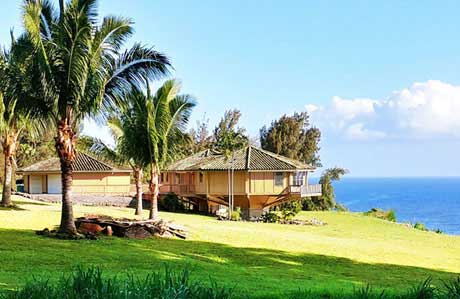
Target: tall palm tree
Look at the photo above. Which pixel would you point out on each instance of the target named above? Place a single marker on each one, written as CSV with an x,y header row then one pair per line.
x,y
82,72
121,154
153,127
15,114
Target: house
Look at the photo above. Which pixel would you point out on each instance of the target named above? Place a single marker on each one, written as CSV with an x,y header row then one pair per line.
x,y
90,177
261,179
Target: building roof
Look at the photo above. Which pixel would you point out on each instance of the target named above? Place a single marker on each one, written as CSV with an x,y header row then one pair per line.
x,y
82,163
250,158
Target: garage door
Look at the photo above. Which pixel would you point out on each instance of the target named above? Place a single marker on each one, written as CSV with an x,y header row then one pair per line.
x,y
54,184
36,184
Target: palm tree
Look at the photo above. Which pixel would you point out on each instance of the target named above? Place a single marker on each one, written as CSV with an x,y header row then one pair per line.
x,y
82,72
14,96
121,154
153,127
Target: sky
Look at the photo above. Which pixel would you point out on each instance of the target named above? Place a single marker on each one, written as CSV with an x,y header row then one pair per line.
x,y
380,79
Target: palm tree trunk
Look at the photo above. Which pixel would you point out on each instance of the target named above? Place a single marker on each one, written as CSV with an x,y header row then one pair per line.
x,y
9,150
6,195
154,191
65,147
138,179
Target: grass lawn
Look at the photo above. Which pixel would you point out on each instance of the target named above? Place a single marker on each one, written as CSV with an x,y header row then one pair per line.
x,y
257,258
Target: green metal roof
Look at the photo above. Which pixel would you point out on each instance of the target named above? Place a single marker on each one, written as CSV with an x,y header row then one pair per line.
x,y
82,163
250,158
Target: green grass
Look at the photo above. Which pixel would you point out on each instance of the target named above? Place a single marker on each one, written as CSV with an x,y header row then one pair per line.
x,y
257,258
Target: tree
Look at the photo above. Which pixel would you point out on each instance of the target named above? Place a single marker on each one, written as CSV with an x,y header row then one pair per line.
x,y
34,147
292,136
14,114
121,154
201,138
327,199
154,128
228,136
81,71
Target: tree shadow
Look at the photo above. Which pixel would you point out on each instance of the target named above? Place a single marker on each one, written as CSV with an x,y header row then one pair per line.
x,y
13,207
256,271
32,203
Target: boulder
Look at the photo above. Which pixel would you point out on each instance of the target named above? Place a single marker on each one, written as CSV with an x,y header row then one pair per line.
x,y
90,228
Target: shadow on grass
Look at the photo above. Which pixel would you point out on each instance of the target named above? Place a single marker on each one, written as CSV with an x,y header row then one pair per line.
x,y
260,272
32,203
13,207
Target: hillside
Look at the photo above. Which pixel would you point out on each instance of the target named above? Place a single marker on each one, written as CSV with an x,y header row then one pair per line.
x,y
351,250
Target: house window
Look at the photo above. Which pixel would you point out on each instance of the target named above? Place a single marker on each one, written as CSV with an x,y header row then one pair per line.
x,y
279,177
299,178
178,178
201,177
167,177
162,178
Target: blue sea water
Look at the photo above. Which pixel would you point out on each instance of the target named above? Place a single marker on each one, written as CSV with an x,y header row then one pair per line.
x,y
432,201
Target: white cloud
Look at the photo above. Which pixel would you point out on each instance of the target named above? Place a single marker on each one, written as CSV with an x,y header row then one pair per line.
x,y
93,129
357,131
428,109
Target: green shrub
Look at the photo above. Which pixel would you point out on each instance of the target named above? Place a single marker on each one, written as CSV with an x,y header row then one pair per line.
x,y
389,215
368,293
171,203
420,226
271,217
236,214
452,289
167,284
425,290
341,208
313,204
289,209
91,284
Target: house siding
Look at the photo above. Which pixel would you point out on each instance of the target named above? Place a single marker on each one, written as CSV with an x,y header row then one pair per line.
x,y
91,183
218,183
263,183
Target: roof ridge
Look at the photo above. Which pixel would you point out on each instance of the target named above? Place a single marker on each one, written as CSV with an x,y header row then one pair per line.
x,y
248,157
39,162
290,161
96,160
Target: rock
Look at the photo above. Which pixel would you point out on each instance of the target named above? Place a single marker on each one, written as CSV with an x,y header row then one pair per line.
x,y
109,231
92,228
137,232
129,228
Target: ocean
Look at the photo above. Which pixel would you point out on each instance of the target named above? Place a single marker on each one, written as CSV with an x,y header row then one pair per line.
x,y
432,201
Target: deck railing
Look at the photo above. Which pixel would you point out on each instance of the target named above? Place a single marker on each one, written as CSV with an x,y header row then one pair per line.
x,y
178,189
306,190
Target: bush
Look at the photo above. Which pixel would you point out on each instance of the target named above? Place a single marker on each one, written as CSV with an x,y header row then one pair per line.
x,y
236,214
290,209
389,215
271,217
341,208
452,288
168,284
91,284
420,226
425,290
171,203
317,203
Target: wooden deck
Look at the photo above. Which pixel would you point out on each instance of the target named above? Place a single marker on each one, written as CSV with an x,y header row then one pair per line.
x,y
182,189
187,189
306,190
